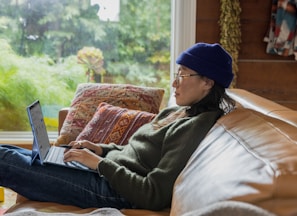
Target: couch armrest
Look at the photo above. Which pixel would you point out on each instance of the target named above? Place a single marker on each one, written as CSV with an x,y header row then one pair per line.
x,y
62,115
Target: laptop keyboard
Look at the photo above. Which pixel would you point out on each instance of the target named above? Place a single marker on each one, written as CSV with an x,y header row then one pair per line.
x,y
56,155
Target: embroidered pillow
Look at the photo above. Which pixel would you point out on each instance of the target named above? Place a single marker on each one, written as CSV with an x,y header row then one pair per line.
x,y
112,124
89,95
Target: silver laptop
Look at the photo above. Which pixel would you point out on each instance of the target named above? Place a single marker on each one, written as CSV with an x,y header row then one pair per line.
x,y
42,148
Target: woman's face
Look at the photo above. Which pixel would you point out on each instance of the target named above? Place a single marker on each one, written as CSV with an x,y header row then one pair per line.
x,y
190,87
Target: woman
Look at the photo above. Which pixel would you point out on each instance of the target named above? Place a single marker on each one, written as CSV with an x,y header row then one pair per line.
x,y
142,173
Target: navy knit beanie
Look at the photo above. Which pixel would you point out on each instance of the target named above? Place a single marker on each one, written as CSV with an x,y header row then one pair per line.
x,y
209,60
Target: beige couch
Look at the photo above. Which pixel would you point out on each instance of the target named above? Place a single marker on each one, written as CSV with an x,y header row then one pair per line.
x,y
249,156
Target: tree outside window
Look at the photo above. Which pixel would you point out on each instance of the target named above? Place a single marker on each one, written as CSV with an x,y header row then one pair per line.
x,y
40,40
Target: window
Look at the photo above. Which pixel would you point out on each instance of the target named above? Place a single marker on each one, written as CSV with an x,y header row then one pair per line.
x,y
40,41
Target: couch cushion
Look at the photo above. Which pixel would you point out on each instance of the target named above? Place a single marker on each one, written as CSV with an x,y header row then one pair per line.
x,y
32,208
246,156
113,124
89,95
230,208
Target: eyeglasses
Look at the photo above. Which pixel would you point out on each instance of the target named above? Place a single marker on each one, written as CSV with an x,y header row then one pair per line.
x,y
178,77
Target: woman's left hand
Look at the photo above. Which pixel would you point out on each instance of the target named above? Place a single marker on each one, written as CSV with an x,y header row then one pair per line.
x,y
83,156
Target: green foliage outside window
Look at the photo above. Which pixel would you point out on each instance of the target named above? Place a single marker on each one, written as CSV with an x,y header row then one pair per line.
x,y
24,80
39,41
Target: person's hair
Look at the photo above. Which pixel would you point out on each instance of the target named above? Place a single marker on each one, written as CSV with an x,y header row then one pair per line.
x,y
217,99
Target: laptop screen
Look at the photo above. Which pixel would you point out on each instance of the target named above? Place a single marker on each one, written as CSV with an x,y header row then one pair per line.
x,y
41,143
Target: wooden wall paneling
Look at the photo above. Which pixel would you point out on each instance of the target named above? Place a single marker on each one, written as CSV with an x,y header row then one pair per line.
x,y
254,24
209,9
271,79
270,76
207,29
211,36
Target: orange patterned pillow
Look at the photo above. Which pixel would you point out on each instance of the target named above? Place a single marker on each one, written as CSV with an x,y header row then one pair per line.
x,y
112,124
89,95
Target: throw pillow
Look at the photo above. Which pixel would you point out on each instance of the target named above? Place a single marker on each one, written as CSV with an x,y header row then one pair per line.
x,y
89,95
113,124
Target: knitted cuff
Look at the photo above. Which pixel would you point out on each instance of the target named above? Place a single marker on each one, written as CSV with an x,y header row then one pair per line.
x,y
98,169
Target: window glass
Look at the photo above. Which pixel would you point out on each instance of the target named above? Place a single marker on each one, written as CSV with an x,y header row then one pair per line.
x,y
48,47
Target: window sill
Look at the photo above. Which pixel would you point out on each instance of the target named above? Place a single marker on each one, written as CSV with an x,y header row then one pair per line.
x,y
22,137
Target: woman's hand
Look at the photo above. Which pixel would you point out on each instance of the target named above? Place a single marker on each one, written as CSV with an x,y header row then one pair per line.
x,y
84,152
87,144
83,156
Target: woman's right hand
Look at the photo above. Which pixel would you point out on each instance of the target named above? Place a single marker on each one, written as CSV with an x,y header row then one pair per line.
x,y
88,145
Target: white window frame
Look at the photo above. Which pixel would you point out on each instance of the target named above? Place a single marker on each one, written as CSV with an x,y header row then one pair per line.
x,y
183,35
183,28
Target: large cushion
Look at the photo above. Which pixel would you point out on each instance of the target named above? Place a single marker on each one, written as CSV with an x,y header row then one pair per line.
x,y
247,156
27,207
89,95
113,124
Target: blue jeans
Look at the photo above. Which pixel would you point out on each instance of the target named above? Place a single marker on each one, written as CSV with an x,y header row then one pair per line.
x,y
53,183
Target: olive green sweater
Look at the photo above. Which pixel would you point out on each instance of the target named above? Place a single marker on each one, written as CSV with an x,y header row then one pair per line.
x,y
144,171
